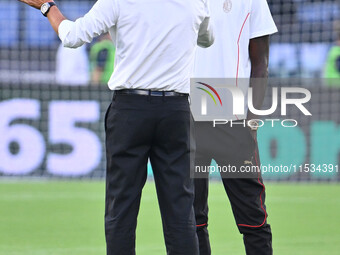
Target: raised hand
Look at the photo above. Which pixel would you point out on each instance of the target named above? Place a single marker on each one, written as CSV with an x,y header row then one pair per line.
x,y
35,3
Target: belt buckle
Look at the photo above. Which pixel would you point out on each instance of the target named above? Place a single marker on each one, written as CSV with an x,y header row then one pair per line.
x,y
156,93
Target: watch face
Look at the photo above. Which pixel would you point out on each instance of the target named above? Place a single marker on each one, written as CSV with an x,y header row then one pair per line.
x,y
45,7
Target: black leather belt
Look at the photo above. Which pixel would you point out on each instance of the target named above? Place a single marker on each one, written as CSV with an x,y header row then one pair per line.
x,y
144,92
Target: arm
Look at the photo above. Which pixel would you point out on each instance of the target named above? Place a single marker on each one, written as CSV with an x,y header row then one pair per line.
x,y
205,34
96,75
55,17
98,20
259,54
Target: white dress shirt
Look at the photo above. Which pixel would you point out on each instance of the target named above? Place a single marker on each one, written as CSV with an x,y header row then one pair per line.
x,y
155,40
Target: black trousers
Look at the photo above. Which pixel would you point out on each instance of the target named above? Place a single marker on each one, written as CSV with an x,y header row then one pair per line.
x,y
235,146
139,128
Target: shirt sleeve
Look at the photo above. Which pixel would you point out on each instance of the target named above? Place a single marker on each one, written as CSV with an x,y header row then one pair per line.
x,y
205,33
261,20
98,20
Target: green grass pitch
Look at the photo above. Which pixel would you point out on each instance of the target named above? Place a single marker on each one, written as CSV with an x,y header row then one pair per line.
x,y
67,218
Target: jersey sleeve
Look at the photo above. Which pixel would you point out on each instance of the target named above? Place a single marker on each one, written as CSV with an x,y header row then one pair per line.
x,y
102,58
261,20
98,20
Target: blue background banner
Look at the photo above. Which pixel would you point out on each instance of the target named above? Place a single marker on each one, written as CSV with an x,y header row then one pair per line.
x,y
58,131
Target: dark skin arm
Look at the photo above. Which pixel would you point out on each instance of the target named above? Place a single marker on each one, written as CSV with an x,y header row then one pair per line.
x,y
259,55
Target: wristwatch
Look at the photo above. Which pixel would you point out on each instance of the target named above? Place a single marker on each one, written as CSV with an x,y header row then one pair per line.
x,y
45,8
253,124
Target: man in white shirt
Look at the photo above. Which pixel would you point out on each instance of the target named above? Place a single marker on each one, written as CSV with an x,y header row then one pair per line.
x,y
240,52
149,116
